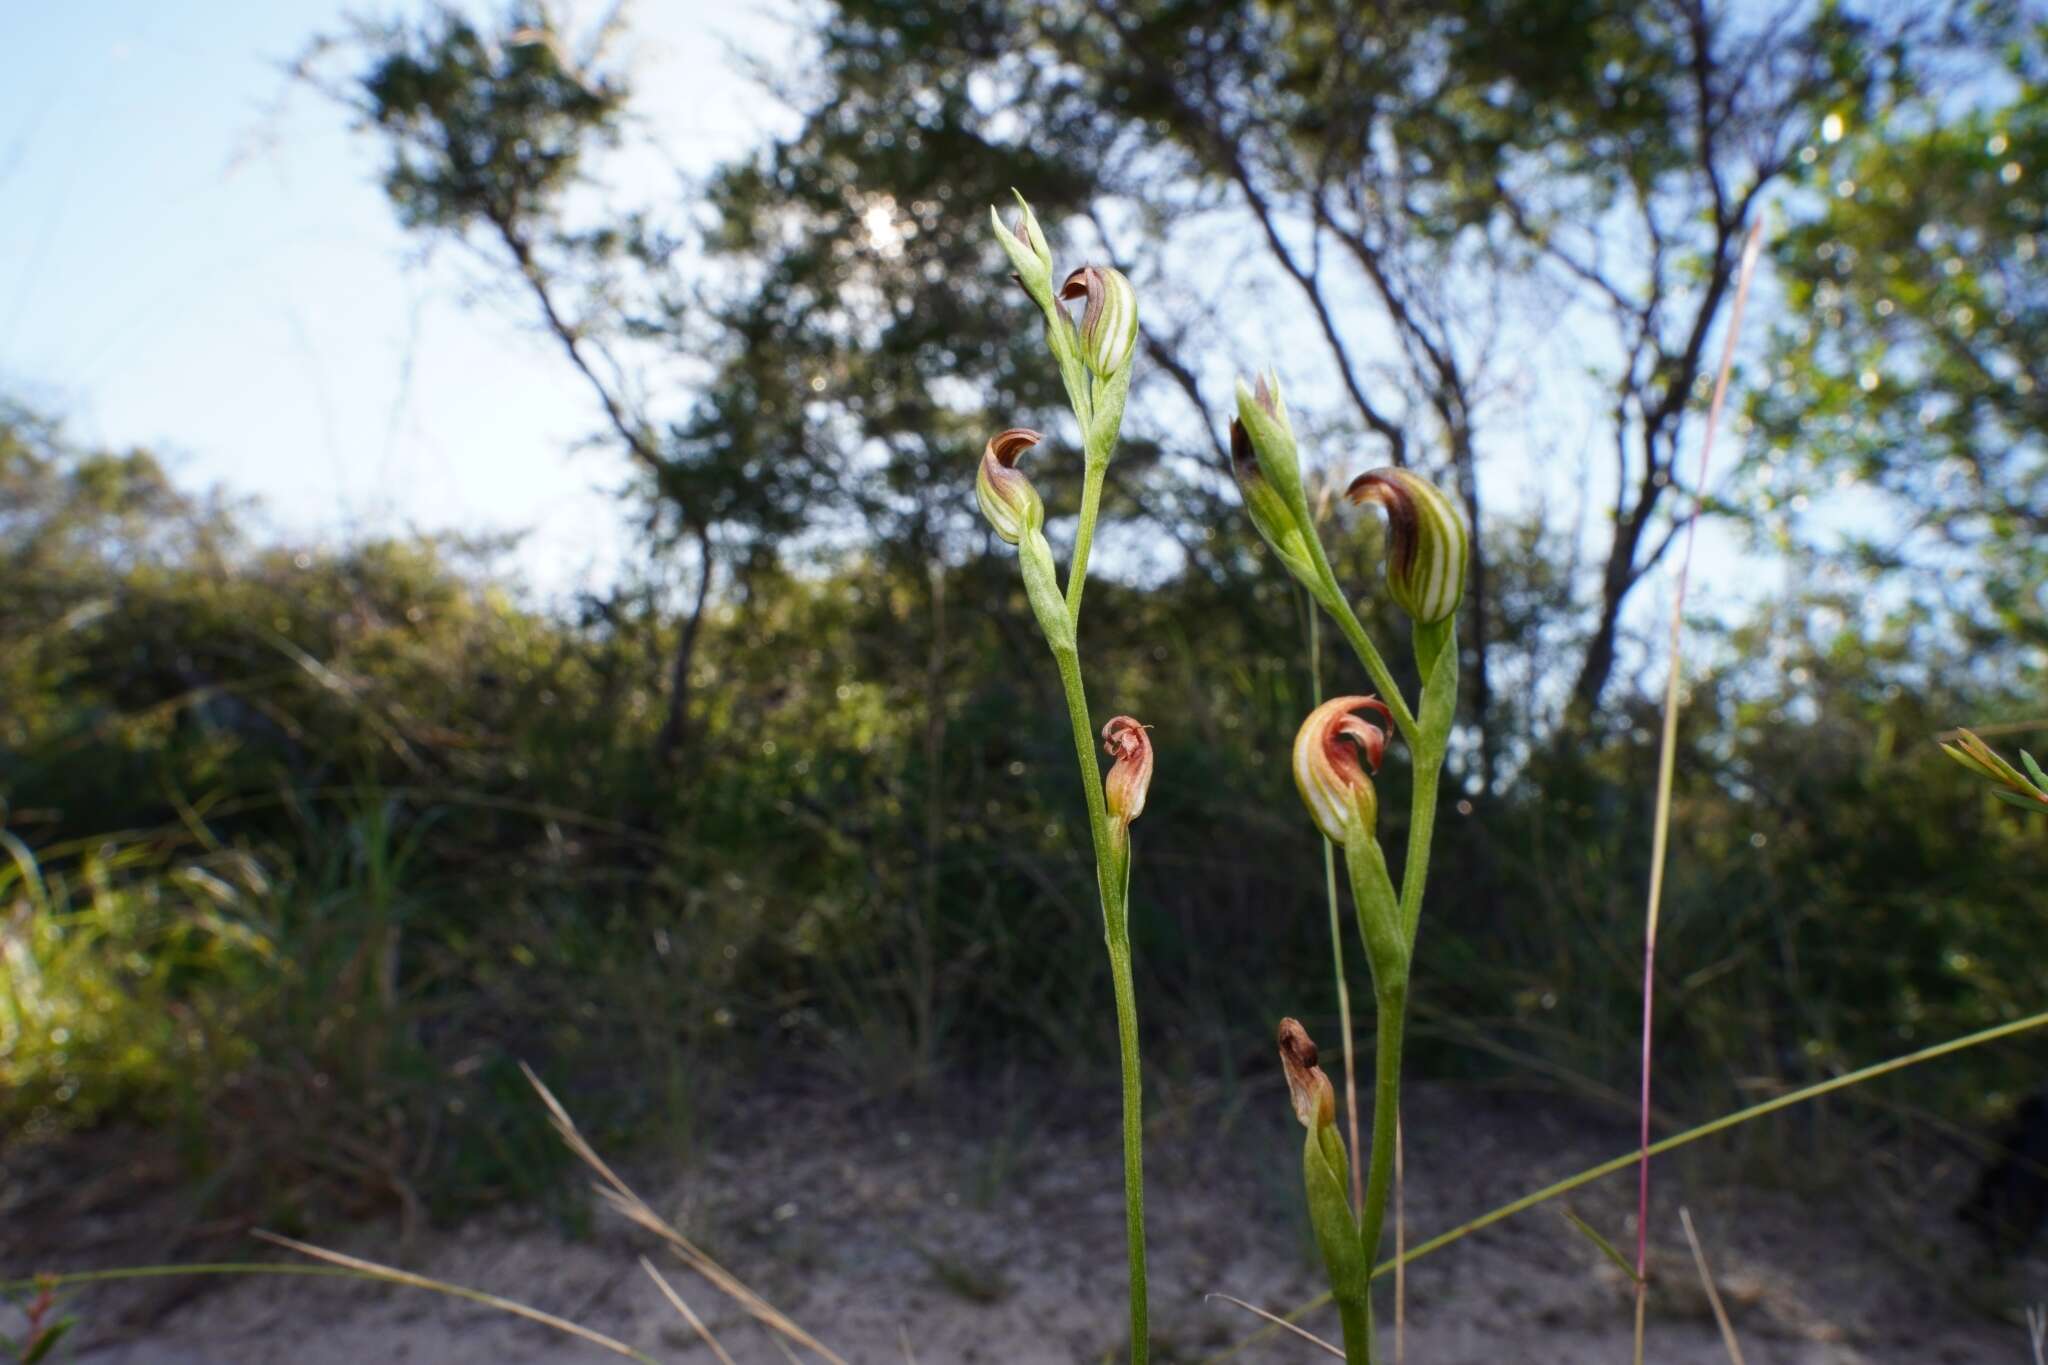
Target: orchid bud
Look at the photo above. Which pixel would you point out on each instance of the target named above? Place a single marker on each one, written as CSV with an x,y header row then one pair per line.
x,y
1262,413
1109,322
1427,542
1007,498
1269,511
1335,785
1315,1101
1325,1168
1125,741
1025,243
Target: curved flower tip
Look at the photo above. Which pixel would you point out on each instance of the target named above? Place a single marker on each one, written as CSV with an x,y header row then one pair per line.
x,y
1130,775
1315,1100
1335,785
1427,541
1007,498
1109,321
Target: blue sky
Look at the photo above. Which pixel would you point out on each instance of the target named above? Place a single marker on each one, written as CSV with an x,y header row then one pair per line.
x,y
194,256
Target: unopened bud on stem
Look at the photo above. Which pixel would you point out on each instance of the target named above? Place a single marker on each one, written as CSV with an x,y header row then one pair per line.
x,y
1026,246
1007,498
1426,542
1335,754
1262,414
1269,511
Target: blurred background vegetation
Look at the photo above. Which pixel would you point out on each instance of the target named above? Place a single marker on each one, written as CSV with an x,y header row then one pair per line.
x,y
308,844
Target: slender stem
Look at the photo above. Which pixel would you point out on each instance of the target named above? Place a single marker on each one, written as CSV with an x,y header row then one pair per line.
x,y
1111,884
1084,535
1386,1104
1356,1317
1134,1139
1369,655
1421,829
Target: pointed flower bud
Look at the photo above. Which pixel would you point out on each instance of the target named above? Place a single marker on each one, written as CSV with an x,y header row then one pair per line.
x,y
1326,1175
1262,413
1007,498
1427,541
1315,1101
1026,246
1269,511
1109,322
1335,785
1125,740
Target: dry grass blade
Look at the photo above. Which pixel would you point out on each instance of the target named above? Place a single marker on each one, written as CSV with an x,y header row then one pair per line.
x,y
1667,754
635,1209
1279,1322
1699,1260
503,1305
675,1301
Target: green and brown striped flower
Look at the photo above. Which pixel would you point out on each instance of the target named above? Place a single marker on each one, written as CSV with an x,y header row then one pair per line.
x,y
1428,544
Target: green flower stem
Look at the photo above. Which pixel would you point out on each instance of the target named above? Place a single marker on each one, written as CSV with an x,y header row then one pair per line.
x,y
1386,952
1333,600
1429,770
1101,417
1112,875
1386,1106
1084,536
1356,1317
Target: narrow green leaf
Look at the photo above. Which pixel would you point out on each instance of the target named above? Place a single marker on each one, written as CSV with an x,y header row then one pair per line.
x,y
1608,1248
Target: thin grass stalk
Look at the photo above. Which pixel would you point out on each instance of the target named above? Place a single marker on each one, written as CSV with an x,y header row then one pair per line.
x,y
1400,1249
372,1270
1315,682
1667,757
683,1309
1699,1260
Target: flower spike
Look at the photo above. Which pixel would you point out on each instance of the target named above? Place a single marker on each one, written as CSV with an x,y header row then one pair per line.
x,y
1109,322
1427,541
1007,499
1335,786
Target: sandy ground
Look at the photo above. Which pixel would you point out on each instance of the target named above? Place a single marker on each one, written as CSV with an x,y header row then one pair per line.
x,y
994,1233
